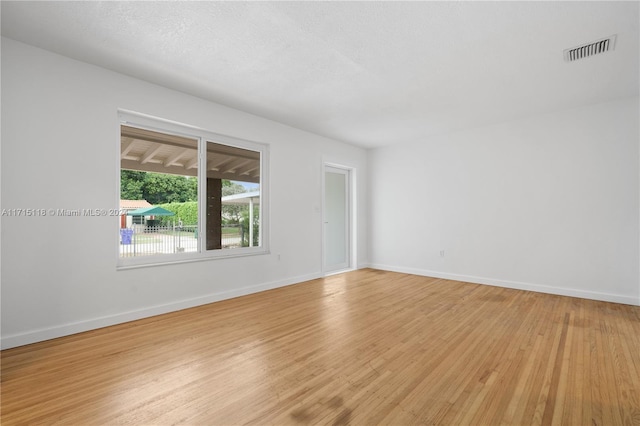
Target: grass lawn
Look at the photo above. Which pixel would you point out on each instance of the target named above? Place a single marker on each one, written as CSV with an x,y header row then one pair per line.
x,y
231,231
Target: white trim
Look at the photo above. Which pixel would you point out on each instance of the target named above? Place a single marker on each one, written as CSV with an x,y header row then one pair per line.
x,y
241,197
350,172
539,288
117,147
20,339
338,272
173,259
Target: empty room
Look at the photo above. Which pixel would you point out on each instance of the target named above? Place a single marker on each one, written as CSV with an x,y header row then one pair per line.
x,y
225,213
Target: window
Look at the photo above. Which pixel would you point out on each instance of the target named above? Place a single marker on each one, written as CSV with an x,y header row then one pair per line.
x,y
188,194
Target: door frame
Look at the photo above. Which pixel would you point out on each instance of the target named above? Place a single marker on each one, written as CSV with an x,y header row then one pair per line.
x,y
350,172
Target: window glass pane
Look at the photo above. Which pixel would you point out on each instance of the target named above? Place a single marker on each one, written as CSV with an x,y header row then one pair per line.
x,y
158,193
233,197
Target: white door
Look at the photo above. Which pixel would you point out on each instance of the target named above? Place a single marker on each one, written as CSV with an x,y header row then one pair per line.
x,y
337,232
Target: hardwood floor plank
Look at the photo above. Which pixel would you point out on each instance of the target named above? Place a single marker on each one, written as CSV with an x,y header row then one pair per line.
x,y
365,347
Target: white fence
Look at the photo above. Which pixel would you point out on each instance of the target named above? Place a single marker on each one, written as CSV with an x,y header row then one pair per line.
x,y
144,241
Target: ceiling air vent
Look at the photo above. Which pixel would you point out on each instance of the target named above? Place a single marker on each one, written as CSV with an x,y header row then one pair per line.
x,y
586,50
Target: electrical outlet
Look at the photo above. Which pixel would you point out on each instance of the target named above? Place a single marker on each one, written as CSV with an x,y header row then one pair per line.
x,y
441,253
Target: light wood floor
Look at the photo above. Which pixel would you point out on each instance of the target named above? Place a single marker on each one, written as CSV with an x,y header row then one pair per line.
x,y
367,347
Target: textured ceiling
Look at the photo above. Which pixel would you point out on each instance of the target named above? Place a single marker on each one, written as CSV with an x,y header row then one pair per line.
x,y
367,73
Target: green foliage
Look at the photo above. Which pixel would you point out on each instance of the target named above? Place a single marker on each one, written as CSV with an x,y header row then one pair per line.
x,y
231,188
245,226
231,213
131,185
186,212
157,188
161,188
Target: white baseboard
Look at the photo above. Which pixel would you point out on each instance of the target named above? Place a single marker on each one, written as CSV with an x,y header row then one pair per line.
x,y
539,288
39,335
48,333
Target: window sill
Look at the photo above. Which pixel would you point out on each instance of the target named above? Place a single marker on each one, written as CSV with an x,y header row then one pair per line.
x,y
163,260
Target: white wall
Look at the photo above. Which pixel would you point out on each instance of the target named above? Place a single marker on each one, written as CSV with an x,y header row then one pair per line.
x,y
60,138
548,203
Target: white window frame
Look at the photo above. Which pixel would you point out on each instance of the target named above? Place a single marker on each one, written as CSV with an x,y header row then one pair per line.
x,y
203,136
